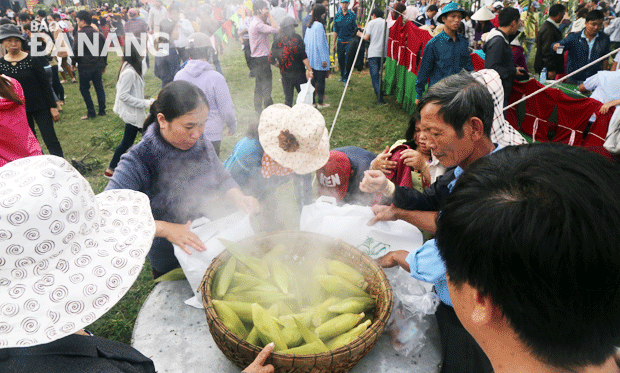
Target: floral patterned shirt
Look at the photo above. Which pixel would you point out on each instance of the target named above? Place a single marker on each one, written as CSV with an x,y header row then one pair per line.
x,y
289,52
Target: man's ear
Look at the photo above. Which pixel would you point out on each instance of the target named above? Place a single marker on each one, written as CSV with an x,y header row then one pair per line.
x,y
484,311
477,128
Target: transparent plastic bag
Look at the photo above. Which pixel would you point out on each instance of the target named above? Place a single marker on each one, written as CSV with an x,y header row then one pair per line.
x,y
414,305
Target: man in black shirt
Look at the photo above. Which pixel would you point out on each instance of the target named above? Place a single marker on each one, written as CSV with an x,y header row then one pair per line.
x,y
91,64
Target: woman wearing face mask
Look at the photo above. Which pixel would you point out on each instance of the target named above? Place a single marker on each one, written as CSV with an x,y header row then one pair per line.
x,y
178,169
28,71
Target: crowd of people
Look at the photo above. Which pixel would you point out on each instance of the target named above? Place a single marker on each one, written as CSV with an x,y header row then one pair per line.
x,y
522,238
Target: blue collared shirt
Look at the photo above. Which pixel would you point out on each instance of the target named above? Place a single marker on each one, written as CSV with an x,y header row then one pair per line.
x,y
442,57
581,52
345,25
425,264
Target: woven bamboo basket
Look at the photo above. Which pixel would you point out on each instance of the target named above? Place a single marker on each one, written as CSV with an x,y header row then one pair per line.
x,y
340,360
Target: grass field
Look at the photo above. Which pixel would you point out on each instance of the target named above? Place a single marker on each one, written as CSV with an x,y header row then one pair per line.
x,y
360,123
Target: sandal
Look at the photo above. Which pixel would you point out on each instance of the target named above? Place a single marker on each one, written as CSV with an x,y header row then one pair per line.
x,y
108,173
63,81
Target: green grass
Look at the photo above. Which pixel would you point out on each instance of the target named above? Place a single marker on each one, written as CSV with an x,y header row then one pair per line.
x,y
360,123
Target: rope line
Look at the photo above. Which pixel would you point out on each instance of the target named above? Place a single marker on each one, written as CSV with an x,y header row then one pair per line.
x,y
346,85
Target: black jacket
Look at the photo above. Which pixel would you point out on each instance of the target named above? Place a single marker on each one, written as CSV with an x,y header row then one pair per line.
x,y
498,56
73,354
86,60
545,56
429,200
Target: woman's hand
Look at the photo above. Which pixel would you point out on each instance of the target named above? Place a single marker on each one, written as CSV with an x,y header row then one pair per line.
x,y
414,159
383,163
55,114
180,235
248,204
394,258
309,74
257,365
324,63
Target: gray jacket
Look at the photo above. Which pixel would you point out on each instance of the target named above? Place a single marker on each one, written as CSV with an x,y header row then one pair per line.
x,y
129,103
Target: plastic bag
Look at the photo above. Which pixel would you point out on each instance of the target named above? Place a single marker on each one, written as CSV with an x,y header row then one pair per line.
x,y
348,223
414,305
233,228
306,93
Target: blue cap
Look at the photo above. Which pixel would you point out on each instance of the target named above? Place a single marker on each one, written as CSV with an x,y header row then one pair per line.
x,y
451,7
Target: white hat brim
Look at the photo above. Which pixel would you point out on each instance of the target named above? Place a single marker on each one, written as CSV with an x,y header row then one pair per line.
x,y
483,14
79,268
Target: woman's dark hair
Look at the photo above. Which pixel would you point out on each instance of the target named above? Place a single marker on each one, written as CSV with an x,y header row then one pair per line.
x,y
581,13
483,26
177,98
133,59
317,13
410,134
7,90
252,132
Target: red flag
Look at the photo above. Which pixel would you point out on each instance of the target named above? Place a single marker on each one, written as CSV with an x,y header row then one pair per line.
x,y
227,28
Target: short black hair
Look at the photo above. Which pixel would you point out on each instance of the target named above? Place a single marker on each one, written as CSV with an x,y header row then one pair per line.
x,y
410,133
461,97
556,10
56,16
377,13
535,228
507,16
41,13
24,17
432,8
258,6
594,15
85,16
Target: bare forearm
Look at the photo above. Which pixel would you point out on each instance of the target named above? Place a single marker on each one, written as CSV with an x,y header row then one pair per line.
x,y
424,220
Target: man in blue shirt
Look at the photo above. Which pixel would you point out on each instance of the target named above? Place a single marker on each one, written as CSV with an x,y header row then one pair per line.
x,y
457,116
447,53
345,27
530,241
586,46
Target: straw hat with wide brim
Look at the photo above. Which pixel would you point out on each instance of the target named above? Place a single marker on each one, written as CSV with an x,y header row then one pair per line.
x,y
294,137
483,14
66,255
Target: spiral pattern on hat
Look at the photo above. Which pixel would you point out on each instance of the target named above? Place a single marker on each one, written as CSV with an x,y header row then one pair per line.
x,y
41,267
57,227
36,190
44,247
5,328
25,181
31,305
48,172
5,235
62,265
101,301
30,325
65,205
74,188
136,253
7,174
83,261
134,270
19,273
75,248
73,217
74,307
51,333
68,237
99,271
53,316
68,327
88,318
14,249
9,309
59,293
89,289
119,262
10,201
89,214
18,217
23,262
90,243
45,212
76,278
32,234
113,281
